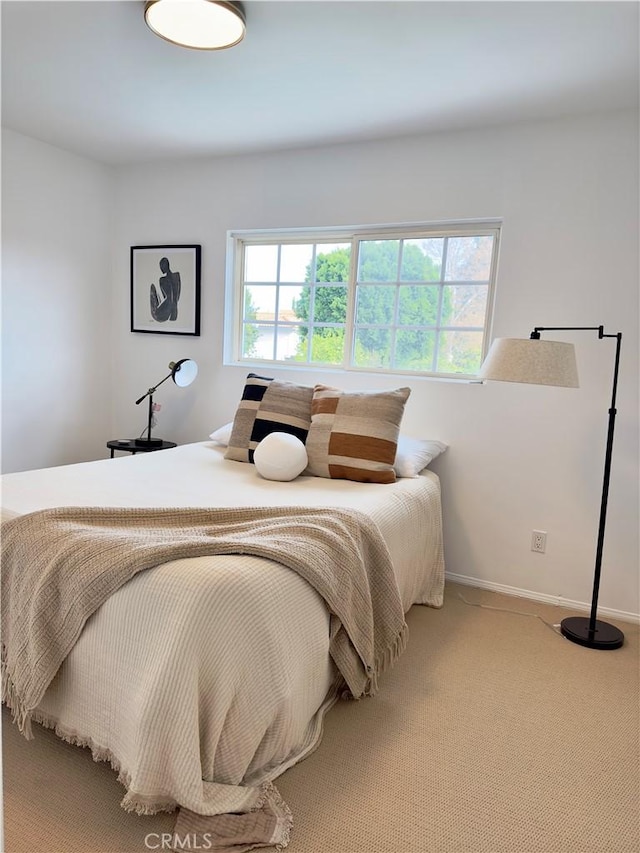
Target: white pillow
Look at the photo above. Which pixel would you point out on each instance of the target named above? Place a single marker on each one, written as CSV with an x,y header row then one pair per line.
x,y
222,434
280,456
414,454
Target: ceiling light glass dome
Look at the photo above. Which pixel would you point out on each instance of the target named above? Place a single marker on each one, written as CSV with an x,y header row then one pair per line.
x,y
198,24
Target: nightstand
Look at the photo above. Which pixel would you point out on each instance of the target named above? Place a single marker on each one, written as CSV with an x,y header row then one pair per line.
x,y
129,446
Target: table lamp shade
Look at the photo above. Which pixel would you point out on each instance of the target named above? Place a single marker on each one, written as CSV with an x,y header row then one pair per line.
x,y
536,362
184,372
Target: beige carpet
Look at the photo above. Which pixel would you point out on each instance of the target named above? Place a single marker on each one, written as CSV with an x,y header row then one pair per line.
x,y
493,734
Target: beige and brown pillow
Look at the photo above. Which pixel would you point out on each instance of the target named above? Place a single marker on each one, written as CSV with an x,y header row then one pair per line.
x,y
268,405
354,434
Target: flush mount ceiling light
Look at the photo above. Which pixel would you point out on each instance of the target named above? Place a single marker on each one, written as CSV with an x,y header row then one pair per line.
x,y
199,24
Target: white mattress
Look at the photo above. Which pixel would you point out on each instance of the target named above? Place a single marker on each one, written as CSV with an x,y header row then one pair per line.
x,y
196,475
202,678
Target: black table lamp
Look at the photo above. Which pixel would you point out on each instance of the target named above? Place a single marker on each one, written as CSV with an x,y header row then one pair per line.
x,y
183,373
553,363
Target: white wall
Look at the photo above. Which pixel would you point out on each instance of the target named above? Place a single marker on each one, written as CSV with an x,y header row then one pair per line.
x,y
521,457
56,305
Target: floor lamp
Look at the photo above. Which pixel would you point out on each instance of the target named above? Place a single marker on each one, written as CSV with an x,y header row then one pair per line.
x,y
553,363
183,373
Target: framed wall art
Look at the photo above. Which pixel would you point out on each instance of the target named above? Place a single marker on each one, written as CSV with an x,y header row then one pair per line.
x,y
165,289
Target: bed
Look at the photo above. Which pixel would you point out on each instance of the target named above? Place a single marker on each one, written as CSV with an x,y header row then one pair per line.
x,y
201,686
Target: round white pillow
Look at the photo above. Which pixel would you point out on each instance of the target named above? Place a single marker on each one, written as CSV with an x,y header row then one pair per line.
x,y
280,456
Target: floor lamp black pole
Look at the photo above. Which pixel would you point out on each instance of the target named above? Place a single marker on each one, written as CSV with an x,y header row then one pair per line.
x,y
592,632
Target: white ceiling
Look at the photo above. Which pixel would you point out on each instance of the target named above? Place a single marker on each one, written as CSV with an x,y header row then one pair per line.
x,y
90,77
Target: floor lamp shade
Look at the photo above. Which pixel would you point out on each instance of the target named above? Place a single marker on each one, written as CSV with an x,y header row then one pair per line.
x,y
539,362
183,373
535,362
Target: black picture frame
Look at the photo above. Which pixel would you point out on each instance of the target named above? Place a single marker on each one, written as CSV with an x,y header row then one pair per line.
x,y
165,289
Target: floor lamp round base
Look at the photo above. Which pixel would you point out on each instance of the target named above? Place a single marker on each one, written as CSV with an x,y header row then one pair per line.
x,y
605,636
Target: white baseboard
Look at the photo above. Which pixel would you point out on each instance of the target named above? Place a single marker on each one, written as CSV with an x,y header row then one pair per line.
x,y
557,600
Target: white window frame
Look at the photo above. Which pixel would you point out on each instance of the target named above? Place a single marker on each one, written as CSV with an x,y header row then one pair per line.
x,y
234,283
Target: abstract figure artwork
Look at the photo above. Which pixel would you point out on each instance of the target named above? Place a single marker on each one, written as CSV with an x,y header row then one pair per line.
x,y
165,289
167,307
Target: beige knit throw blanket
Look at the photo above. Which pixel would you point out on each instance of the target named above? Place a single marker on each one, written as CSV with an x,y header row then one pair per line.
x,y
59,565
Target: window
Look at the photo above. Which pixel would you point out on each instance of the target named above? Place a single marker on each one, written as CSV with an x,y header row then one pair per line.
x,y
394,299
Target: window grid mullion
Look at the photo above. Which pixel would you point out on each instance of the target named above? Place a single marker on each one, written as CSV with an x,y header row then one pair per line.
x,y
437,337
396,307
277,302
349,352
312,299
240,312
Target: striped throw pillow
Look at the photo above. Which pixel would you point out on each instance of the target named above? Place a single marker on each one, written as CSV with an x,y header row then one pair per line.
x,y
267,406
354,434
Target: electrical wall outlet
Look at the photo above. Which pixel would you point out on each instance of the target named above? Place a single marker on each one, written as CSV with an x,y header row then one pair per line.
x,y
539,541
